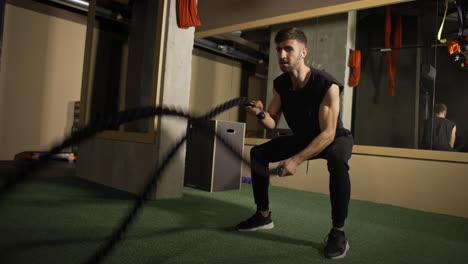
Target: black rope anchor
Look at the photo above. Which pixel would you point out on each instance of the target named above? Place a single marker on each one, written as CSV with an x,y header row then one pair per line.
x,y
117,120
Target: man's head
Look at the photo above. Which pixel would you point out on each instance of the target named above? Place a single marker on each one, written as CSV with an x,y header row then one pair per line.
x,y
440,110
291,33
290,48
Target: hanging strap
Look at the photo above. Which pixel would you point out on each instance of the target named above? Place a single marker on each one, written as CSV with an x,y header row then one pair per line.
x,y
461,19
188,13
355,65
394,53
442,25
391,53
388,56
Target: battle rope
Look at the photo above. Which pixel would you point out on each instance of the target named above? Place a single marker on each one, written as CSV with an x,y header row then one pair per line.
x,y
87,132
108,246
117,120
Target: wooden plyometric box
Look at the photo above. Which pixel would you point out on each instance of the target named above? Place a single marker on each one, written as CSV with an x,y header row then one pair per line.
x,y
210,165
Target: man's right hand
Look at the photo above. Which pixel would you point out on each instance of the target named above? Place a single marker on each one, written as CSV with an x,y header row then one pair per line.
x,y
256,109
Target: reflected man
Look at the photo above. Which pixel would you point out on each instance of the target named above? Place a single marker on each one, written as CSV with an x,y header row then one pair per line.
x,y
439,132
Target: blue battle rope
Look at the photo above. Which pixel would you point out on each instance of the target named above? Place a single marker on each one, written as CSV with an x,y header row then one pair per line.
x,y
116,120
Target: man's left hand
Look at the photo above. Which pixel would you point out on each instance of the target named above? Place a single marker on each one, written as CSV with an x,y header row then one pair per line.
x,y
289,167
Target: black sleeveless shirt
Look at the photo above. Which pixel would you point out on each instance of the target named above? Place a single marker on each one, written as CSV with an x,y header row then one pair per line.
x,y
301,107
441,131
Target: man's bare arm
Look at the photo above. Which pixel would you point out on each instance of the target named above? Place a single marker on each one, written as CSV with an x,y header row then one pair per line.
x,y
328,117
273,114
453,136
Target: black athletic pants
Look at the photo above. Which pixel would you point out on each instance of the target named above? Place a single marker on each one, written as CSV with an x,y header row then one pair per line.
x,y
337,155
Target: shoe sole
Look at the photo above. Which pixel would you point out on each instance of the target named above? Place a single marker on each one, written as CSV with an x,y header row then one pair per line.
x,y
263,227
344,253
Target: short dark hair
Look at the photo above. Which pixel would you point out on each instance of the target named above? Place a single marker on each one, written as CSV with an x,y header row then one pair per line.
x,y
440,108
291,33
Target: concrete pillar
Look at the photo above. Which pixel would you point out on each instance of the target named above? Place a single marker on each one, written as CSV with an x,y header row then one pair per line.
x,y
127,165
347,96
175,91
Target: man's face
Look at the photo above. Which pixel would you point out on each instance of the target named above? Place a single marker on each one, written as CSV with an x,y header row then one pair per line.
x,y
290,54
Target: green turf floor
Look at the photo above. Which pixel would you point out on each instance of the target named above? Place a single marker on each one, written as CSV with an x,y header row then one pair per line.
x,y
63,220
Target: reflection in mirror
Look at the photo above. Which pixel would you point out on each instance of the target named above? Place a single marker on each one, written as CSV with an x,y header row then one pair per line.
x,y
388,111
123,57
439,132
424,73
452,71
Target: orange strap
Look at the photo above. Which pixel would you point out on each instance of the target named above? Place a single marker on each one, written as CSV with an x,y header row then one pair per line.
x,y
388,55
188,14
391,56
355,65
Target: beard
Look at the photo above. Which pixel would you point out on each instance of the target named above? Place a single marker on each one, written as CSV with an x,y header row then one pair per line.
x,y
289,66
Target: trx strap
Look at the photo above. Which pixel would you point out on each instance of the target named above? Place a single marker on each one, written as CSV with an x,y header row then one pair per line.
x,y
442,25
355,65
391,54
461,19
187,14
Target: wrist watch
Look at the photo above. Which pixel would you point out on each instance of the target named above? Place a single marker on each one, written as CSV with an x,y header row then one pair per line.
x,y
261,115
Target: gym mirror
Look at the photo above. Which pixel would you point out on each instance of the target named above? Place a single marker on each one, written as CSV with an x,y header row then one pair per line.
x,y
425,72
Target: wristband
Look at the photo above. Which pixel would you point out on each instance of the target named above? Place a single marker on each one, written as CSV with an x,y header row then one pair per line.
x,y
261,115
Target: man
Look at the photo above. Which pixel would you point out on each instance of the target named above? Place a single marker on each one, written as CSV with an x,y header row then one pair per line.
x,y
439,132
310,101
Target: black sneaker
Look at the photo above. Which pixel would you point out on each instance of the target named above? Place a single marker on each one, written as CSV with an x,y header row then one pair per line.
x,y
256,222
336,244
